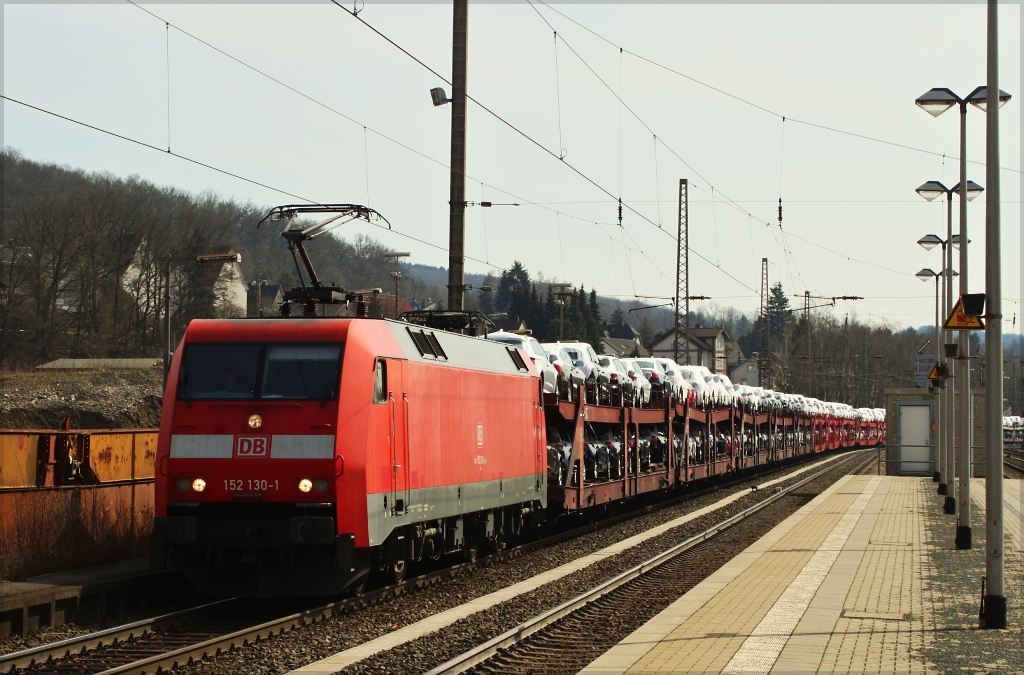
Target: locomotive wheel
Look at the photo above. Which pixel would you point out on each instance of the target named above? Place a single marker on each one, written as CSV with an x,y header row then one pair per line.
x,y
396,572
359,587
469,552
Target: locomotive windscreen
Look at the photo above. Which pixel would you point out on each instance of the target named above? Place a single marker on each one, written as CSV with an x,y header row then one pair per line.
x,y
240,371
307,371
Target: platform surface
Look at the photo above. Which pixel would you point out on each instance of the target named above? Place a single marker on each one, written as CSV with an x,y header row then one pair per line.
x,y
864,578
75,579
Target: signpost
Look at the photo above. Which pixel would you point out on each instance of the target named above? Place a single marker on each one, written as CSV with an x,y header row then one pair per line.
x,y
957,320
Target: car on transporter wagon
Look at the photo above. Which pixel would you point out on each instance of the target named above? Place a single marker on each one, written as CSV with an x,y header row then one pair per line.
x,y
569,376
655,374
620,380
532,348
585,358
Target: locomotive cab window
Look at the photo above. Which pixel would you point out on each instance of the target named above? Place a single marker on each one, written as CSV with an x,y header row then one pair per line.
x,y
247,371
380,383
301,371
219,371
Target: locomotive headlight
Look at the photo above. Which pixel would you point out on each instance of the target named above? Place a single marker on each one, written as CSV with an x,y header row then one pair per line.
x,y
255,421
320,485
305,485
181,484
198,484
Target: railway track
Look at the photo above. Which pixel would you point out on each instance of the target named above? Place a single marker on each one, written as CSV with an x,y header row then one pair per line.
x,y
1013,460
566,638
105,649
175,639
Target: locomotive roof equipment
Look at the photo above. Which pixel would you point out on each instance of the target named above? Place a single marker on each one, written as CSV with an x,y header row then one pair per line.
x,y
296,233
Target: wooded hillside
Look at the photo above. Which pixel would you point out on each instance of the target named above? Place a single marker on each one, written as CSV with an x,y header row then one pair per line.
x,y
84,258
83,262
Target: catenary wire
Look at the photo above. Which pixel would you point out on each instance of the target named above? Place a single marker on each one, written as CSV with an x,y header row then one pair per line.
x,y
213,168
751,103
526,136
407,147
646,126
337,112
490,112
545,206
167,33
587,220
280,190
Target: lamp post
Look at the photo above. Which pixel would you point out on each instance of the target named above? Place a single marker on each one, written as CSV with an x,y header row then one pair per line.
x,y
993,613
202,259
947,466
925,275
562,293
397,274
935,102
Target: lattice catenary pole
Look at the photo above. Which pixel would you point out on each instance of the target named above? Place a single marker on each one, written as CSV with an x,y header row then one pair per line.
x,y
764,360
682,274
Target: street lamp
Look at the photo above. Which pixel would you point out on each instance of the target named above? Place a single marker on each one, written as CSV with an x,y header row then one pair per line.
x,y
955,241
396,275
930,191
560,291
947,462
940,447
202,259
935,102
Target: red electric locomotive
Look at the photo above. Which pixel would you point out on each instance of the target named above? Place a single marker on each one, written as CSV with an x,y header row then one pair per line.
x,y
296,456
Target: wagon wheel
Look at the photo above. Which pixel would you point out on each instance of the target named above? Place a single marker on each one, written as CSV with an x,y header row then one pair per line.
x,y
469,552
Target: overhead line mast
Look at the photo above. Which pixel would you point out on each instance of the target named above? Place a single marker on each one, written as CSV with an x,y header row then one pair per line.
x,y
764,360
683,271
457,195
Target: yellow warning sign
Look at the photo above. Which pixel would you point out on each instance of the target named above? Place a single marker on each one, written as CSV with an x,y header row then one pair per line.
x,y
934,375
957,320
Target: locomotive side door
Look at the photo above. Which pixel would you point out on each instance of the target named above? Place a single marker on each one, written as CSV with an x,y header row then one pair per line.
x,y
398,402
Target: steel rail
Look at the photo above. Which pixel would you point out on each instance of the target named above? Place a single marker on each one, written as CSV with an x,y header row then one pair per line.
x,y
56,650
487,650
1013,454
1016,467
59,650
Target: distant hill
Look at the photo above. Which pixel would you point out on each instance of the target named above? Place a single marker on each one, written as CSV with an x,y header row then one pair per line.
x,y
429,275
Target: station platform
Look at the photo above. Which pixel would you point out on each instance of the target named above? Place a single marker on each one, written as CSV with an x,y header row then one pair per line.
x,y
864,578
87,593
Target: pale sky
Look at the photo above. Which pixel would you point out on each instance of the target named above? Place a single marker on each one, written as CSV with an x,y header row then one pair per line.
x,y
851,217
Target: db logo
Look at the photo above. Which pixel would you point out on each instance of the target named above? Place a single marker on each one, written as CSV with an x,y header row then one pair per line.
x,y
252,446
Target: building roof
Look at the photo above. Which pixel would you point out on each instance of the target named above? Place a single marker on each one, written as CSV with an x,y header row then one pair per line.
x,y
694,339
626,348
620,331
512,324
704,332
387,305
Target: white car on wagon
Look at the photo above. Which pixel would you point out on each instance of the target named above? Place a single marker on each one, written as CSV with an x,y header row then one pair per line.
x,y
532,348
